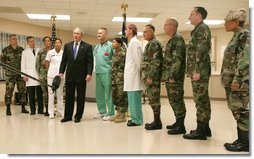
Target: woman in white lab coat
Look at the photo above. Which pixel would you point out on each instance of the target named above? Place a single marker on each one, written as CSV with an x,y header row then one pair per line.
x,y
132,82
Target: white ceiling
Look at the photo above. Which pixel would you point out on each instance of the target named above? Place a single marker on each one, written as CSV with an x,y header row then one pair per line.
x,y
93,14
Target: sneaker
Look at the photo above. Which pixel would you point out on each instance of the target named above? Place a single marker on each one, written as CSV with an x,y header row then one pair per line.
x,y
98,116
51,117
107,117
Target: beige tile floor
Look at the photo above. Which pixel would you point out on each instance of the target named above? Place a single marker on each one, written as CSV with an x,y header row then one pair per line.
x,y
25,134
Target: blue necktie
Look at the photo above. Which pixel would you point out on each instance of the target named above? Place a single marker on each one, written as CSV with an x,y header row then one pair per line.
x,y
75,50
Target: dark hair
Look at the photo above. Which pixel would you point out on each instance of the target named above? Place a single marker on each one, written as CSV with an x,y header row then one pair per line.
x,y
202,11
29,37
11,35
45,37
59,40
119,41
151,27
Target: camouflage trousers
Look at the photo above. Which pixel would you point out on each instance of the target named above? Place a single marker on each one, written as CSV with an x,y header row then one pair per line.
x,y
238,103
153,94
175,97
119,98
201,99
44,91
10,84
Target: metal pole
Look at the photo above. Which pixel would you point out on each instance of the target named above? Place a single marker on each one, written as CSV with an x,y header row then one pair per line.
x,y
22,73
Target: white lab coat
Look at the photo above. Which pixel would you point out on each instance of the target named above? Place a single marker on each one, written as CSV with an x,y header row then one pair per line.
x,y
132,80
28,66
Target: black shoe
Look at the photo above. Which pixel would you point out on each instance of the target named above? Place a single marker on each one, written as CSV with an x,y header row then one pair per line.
x,y
132,124
8,110
32,113
23,110
46,114
237,147
40,112
195,135
236,141
8,113
65,120
177,130
77,120
208,132
171,126
129,121
153,126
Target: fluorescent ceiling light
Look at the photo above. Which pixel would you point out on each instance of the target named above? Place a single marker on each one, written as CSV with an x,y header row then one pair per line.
x,y
139,33
211,22
47,16
132,19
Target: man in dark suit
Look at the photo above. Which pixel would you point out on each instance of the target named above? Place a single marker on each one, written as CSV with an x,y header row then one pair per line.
x,y
78,58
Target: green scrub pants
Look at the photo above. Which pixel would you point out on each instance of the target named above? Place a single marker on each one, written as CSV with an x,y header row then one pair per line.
x,y
104,94
135,106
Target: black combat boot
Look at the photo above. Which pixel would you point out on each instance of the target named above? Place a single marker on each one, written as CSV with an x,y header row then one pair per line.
x,y
242,144
8,109
171,126
179,128
208,130
198,134
226,144
156,124
47,112
23,109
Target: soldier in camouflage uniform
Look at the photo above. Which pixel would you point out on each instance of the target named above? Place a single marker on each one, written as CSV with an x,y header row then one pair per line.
x,y
235,77
199,69
119,97
42,71
151,70
12,57
173,74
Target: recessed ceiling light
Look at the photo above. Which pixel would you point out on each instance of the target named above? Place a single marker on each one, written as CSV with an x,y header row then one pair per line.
x,y
211,22
47,16
132,19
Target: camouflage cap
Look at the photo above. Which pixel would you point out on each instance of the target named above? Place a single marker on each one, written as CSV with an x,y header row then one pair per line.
x,y
239,14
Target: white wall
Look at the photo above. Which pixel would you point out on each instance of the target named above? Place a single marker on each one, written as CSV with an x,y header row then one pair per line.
x,y
39,31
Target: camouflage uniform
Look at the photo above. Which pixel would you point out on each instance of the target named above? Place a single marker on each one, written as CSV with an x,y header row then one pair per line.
x,y
119,96
12,57
235,69
174,64
198,61
151,68
42,71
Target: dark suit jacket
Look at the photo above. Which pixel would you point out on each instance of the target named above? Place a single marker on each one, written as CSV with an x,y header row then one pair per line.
x,y
79,68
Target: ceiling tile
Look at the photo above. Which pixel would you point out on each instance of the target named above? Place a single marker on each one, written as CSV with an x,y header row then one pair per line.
x,y
93,14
